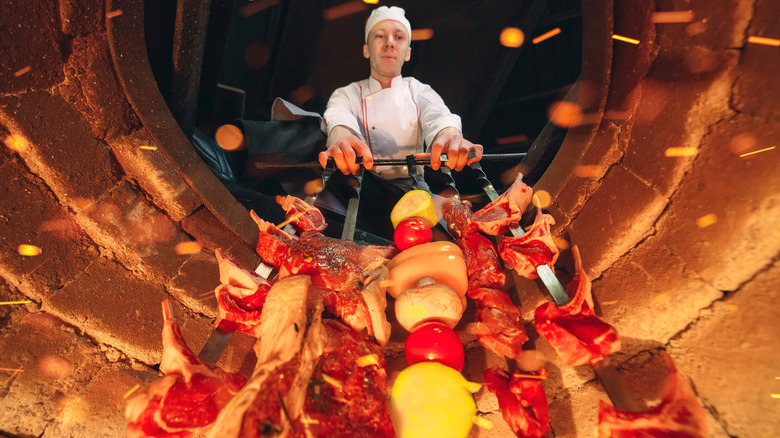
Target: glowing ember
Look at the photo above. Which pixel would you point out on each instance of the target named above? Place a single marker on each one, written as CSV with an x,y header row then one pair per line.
x,y
331,380
529,376
371,2
586,171
422,34
758,151
565,114
546,35
230,138
343,10
16,143
14,372
774,395
706,220
561,243
255,7
512,37
188,248
113,14
28,250
307,420
8,303
368,360
764,41
672,17
694,29
148,148
132,390
292,218
542,198
56,367
483,422
22,71
313,186
625,39
680,152
512,139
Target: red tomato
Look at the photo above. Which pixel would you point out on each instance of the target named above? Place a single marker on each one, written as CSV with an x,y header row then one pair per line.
x,y
411,232
434,342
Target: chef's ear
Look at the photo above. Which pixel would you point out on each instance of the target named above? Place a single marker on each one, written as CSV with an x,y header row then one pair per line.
x,y
408,54
365,51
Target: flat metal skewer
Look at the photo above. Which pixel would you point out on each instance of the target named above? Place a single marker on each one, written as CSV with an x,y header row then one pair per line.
x,y
387,162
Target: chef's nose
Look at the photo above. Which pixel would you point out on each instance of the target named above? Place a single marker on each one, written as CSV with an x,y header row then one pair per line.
x,y
390,41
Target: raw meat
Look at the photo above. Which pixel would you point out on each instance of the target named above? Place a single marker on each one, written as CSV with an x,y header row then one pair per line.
x,y
573,329
341,271
521,399
241,295
496,217
304,217
499,325
679,415
187,400
534,248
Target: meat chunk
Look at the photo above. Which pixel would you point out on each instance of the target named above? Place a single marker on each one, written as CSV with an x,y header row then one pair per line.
x,y
457,215
241,295
534,248
573,329
521,399
304,217
679,415
340,271
499,325
187,400
347,395
482,264
496,217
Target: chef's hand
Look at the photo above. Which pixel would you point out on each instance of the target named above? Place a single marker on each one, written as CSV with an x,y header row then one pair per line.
x,y
450,141
344,147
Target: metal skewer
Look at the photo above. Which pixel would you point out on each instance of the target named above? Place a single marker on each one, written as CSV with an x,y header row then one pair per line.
x,y
387,162
605,371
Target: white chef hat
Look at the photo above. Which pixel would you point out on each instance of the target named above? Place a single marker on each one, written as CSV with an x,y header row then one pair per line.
x,y
384,13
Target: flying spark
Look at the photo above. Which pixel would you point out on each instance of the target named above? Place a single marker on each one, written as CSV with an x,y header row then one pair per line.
x,y
343,10
422,34
22,71
148,148
483,422
188,248
512,37
294,217
132,390
546,35
774,395
585,171
16,143
706,220
7,303
680,152
28,250
626,39
371,2
113,14
764,41
15,371
672,17
755,152
512,139
542,198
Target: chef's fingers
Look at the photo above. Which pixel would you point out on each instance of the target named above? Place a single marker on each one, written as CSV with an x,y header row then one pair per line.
x,y
478,149
436,151
363,150
349,156
337,154
323,157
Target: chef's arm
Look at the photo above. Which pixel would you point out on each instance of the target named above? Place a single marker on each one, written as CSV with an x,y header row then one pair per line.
x,y
451,142
344,146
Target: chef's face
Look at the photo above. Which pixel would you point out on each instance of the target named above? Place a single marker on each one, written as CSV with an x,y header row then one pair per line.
x,y
387,49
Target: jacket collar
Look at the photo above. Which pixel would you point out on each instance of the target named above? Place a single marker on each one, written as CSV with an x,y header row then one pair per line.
x,y
375,86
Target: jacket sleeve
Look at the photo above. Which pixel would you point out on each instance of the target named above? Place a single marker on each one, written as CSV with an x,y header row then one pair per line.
x,y
434,114
342,110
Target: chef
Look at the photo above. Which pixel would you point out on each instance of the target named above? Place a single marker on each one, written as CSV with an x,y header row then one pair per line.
x,y
389,116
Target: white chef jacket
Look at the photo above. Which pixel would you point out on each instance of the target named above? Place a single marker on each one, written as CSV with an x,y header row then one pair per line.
x,y
394,122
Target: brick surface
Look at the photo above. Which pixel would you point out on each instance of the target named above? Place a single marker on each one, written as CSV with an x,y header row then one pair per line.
x,y
732,352
238,355
62,149
155,173
55,362
212,234
143,238
30,215
194,285
34,29
742,195
80,17
615,218
114,307
650,294
758,65
90,86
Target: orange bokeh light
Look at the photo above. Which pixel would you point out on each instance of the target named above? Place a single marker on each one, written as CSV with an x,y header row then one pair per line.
x,y
511,37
